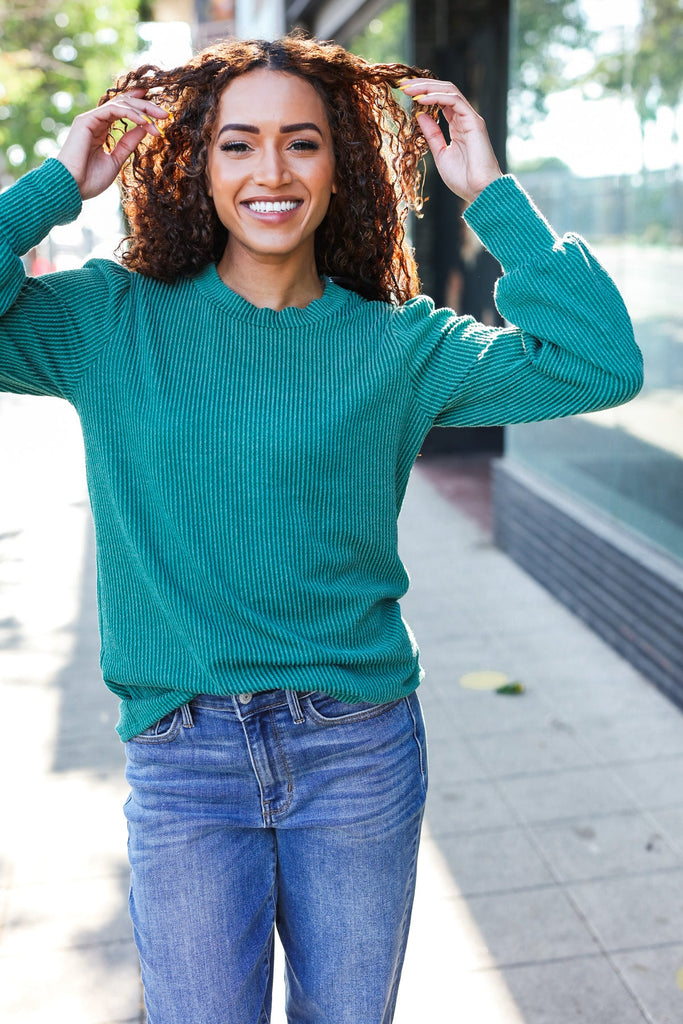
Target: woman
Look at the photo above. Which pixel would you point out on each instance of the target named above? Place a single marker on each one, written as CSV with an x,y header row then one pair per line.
x,y
250,425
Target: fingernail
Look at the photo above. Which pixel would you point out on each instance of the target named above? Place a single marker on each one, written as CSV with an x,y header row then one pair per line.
x,y
152,123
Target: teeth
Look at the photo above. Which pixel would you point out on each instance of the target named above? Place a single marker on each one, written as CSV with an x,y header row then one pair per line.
x,y
278,207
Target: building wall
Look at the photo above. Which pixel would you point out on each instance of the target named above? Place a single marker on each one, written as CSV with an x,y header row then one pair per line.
x,y
593,505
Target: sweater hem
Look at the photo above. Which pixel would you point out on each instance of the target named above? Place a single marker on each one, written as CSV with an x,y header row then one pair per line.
x,y
146,705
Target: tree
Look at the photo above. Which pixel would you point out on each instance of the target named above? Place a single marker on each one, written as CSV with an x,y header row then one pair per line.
x,y
655,67
56,59
385,40
646,67
657,77
546,35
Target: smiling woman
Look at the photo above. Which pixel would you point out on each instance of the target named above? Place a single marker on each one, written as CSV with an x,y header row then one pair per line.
x,y
376,147
254,384
271,181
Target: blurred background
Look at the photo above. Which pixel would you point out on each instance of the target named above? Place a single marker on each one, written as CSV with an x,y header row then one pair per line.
x,y
583,102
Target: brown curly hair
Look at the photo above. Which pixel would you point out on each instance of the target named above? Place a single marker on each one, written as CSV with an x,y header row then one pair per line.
x,y
378,148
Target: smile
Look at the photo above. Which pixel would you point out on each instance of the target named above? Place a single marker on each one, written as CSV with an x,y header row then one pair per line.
x,y
281,206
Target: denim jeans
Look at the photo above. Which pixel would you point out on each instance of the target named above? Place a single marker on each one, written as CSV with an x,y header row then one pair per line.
x,y
275,810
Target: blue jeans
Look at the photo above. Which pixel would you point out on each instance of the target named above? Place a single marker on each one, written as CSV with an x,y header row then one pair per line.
x,y
275,810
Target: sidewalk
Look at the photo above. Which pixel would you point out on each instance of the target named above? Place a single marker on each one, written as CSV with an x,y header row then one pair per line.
x,y
550,887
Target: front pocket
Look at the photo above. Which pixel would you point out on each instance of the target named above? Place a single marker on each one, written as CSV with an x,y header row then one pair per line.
x,y
330,710
163,731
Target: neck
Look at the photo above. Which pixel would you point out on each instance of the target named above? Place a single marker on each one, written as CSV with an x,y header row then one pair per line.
x,y
269,283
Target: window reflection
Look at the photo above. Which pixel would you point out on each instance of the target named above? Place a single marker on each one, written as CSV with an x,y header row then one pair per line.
x,y
604,160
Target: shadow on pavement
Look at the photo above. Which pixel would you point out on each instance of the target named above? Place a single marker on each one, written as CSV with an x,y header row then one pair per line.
x,y
85,738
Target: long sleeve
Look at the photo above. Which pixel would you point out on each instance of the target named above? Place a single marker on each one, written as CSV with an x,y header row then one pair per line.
x,y
52,327
571,348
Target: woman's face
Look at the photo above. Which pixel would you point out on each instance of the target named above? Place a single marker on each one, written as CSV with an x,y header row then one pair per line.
x,y
271,165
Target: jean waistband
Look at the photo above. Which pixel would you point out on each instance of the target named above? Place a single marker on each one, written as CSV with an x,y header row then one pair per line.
x,y
252,702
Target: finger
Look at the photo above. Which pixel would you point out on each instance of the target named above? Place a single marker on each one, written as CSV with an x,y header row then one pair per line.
x,y
141,112
427,91
412,84
126,145
115,110
145,105
138,97
123,119
448,104
435,97
445,99
429,87
433,134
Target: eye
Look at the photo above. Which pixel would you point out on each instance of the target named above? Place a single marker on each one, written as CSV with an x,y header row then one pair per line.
x,y
235,147
304,145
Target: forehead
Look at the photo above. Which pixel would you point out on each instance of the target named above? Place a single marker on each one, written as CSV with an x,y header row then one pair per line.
x,y
267,95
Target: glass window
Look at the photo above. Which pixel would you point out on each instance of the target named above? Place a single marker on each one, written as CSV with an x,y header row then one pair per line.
x,y
595,105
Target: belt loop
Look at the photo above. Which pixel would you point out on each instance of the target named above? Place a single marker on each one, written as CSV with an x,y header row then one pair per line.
x,y
188,720
295,707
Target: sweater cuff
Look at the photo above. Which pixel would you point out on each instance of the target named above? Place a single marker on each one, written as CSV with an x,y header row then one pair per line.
x,y
507,222
36,203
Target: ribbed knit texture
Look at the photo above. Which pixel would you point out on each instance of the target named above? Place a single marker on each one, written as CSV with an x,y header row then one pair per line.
x,y
246,467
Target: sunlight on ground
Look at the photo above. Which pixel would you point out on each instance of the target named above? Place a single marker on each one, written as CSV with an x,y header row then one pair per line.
x,y
449,974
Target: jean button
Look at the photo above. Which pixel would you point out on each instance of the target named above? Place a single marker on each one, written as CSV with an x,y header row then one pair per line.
x,y
244,698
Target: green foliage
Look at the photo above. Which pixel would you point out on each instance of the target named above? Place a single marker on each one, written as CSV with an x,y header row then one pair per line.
x,y
647,67
56,59
385,40
656,66
546,34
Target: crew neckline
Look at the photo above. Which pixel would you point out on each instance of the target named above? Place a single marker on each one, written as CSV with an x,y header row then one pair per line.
x,y
330,303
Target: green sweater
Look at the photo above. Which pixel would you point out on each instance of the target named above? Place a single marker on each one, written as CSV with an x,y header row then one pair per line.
x,y
246,467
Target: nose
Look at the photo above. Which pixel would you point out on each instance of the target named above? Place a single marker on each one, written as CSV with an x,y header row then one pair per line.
x,y
272,169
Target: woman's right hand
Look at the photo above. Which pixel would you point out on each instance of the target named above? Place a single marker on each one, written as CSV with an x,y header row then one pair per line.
x,y
83,153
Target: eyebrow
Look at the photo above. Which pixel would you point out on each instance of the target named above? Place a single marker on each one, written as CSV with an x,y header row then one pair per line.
x,y
286,129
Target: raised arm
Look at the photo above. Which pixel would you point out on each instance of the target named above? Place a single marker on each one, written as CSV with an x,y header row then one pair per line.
x,y
52,327
570,348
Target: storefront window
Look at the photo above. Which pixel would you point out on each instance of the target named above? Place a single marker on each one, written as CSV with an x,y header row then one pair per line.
x,y
596,108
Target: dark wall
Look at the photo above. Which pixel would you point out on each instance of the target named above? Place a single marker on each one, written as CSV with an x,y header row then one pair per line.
x,y
465,43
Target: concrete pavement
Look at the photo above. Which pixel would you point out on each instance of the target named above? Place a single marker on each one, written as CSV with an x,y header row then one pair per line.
x,y
550,888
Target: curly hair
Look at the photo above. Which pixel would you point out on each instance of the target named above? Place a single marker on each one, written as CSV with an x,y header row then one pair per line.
x,y
378,149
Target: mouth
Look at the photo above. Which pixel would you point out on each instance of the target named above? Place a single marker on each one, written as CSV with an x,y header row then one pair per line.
x,y
272,205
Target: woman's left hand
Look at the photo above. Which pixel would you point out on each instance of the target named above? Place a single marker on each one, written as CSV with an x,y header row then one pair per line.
x,y
467,163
